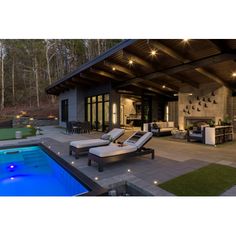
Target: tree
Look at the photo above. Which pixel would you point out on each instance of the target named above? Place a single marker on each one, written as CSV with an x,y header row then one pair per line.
x,y
2,57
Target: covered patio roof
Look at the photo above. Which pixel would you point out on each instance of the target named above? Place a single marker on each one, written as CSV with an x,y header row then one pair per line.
x,y
160,66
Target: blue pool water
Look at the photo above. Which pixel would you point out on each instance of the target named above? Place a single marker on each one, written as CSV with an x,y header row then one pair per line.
x,y
29,171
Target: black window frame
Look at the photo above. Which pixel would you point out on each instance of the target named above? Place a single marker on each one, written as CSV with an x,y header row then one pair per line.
x,y
64,110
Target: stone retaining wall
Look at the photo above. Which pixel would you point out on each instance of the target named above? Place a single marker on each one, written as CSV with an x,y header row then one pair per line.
x,y
24,121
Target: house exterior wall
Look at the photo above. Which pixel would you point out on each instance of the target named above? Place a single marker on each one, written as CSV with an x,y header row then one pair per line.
x,y
71,95
218,111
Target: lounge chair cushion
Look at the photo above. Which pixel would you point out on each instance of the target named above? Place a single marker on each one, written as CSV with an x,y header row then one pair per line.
x,y
112,150
89,143
114,133
138,139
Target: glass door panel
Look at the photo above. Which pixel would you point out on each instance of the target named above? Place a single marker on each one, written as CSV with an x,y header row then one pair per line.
x,y
100,117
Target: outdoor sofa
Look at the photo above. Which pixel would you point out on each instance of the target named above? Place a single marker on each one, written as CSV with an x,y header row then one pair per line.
x,y
83,146
133,146
162,128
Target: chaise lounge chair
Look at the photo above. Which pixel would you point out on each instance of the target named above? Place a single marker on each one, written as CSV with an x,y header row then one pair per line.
x,y
83,146
133,146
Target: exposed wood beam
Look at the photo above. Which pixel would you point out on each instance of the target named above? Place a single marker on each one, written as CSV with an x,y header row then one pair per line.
x,y
119,68
105,74
184,67
220,44
137,60
168,86
151,89
168,51
211,76
185,80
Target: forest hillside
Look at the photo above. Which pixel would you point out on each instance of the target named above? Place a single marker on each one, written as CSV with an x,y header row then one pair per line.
x,y
28,66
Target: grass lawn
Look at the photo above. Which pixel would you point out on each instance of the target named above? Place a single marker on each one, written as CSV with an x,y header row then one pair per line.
x,y
211,180
9,133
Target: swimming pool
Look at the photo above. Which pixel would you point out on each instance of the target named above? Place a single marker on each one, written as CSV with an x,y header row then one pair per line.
x,y
36,171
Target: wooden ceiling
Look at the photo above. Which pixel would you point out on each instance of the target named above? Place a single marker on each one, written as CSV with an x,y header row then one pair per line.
x,y
175,63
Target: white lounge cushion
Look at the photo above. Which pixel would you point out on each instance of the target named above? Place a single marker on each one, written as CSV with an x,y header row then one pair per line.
x,y
138,139
89,143
112,150
171,124
114,133
166,129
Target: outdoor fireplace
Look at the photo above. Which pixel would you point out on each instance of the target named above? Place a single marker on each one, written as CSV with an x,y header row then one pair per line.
x,y
192,120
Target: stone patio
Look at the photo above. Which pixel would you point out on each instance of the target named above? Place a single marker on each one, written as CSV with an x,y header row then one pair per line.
x,y
172,158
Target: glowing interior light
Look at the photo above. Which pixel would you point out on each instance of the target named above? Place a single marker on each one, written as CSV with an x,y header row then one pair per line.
x,y
113,68
131,62
163,86
72,163
11,166
58,153
49,147
12,178
234,74
129,170
96,178
185,40
114,113
18,117
31,118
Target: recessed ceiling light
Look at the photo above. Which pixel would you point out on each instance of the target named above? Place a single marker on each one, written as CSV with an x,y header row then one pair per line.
x,y
153,52
163,86
234,74
131,62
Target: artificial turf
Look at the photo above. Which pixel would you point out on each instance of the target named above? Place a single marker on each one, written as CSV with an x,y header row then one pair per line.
x,y
9,133
211,180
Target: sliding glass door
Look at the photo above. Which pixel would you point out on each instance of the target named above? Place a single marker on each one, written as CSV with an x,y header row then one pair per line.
x,y
97,111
